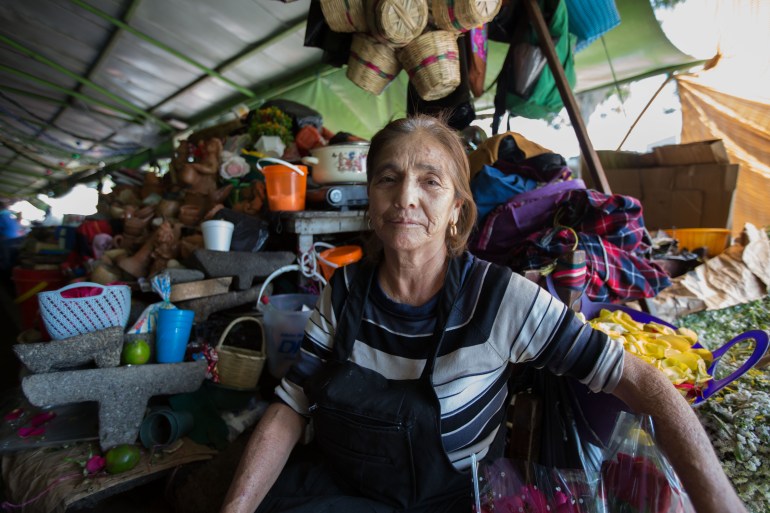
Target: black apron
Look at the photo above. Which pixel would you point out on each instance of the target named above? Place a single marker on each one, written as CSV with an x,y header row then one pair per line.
x,y
382,438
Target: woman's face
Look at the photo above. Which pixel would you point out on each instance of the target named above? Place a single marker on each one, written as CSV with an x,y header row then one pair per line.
x,y
411,195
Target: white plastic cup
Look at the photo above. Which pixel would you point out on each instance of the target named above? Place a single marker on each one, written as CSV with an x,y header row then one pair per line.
x,y
217,234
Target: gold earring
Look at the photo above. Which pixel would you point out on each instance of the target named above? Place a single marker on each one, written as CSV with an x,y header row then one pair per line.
x,y
452,229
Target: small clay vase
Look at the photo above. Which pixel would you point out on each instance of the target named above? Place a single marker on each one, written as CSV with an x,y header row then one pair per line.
x,y
137,264
152,184
190,215
134,226
105,274
188,245
117,212
168,209
113,255
147,212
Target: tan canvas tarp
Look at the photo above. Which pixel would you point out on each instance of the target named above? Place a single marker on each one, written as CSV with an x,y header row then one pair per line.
x,y
732,102
744,126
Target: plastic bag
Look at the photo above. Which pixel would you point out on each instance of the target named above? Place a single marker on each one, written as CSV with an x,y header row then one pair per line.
x,y
636,475
507,485
148,320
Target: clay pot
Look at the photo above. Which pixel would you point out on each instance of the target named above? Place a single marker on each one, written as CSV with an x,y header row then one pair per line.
x,y
189,244
137,264
190,215
147,212
134,226
105,274
168,208
117,212
125,242
113,255
152,184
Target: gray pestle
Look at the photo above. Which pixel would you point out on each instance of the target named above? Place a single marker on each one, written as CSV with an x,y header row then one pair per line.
x,y
122,393
242,266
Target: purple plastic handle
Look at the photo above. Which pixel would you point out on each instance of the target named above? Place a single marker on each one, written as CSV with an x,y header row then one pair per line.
x,y
592,310
761,339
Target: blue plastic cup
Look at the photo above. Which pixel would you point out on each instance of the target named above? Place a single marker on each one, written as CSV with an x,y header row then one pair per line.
x,y
174,326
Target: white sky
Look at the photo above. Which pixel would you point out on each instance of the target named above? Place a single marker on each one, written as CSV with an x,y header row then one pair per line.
x,y
694,27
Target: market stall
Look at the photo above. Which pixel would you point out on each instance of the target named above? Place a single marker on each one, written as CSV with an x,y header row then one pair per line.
x,y
154,331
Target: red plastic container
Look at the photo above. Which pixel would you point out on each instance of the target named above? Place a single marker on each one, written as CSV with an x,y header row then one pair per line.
x,y
28,282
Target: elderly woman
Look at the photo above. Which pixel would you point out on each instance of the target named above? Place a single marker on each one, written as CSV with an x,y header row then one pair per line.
x,y
406,359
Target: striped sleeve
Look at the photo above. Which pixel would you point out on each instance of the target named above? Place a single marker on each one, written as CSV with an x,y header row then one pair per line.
x,y
543,331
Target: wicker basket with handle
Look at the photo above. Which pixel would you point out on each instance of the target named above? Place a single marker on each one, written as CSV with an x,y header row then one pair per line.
x,y
396,22
433,64
463,15
344,15
238,367
372,65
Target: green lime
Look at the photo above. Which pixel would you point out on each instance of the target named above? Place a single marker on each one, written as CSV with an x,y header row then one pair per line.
x,y
121,458
136,352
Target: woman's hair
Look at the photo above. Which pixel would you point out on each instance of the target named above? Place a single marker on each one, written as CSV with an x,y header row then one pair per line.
x,y
459,170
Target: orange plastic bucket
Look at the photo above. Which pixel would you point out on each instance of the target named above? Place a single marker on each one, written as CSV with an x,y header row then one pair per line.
x,y
338,257
285,187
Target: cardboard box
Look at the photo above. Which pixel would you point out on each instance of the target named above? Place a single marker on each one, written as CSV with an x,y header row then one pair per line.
x,y
702,152
625,159
680,185
694,196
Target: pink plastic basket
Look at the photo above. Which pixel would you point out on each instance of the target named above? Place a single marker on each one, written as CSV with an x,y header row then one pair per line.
x,y
71,316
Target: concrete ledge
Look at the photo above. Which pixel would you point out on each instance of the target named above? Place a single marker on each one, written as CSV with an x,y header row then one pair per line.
x,y
122,393
102,347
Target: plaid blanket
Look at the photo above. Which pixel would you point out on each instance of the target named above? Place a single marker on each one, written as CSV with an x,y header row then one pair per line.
x,y
610,229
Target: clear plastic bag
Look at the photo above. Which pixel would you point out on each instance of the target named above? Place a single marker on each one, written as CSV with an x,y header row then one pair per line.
x,y
636,475
148,320
510,486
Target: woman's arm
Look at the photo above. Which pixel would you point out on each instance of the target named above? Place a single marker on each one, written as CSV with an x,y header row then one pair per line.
x,y
679,432
265,456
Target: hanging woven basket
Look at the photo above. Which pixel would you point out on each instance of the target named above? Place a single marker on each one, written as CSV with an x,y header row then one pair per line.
x,y
463,15
372,65
433,64
396,22
344,15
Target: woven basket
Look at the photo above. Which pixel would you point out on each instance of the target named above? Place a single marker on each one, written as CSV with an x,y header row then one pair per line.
x,y
344,15
433,64
463,15
240,368
66,317
371,65
396,22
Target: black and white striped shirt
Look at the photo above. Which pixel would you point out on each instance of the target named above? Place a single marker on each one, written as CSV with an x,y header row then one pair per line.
x,y
499,318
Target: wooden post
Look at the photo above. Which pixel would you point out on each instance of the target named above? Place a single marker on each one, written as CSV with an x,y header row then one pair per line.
x,y
544,35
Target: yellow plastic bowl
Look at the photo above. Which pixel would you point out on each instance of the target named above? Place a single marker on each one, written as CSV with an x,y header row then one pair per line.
x,y
715,240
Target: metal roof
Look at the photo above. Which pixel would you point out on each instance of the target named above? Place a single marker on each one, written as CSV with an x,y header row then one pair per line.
x,y
84,83
87,83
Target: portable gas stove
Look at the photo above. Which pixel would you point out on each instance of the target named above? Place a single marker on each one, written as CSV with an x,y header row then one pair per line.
x,y
338,196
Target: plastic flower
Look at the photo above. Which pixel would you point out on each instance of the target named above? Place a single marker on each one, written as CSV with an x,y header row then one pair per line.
x,y
637,482
95,464
233,166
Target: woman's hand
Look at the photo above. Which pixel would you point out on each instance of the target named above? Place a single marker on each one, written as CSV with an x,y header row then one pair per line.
x,y
265,456
647,390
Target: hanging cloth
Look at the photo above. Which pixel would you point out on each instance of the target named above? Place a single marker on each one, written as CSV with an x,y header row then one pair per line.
x,y
525,85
